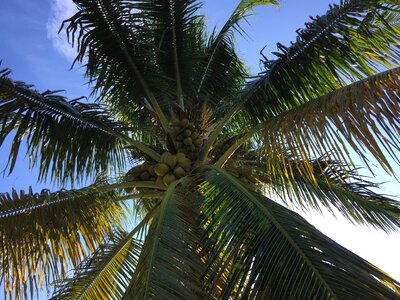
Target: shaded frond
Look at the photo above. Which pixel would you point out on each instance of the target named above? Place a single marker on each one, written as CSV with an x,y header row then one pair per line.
x,y
43,234
363,116
223,74
176,32
67,139
262,250
352,40
169,267
118,58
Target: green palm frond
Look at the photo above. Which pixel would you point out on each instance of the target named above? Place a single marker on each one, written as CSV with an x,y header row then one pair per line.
x,y
205,141
221,54
363,116
107,273
241,12
175,33
262,250
68,139
169,266
352,40
223,74
351,194
108,43
43,234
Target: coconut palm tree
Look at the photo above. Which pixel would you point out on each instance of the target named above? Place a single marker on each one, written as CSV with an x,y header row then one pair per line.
x,y
210,149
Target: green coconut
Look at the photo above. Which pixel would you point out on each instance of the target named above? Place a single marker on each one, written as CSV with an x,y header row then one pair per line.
x,y
198,142
185,163
179,172
161,169
171,161
180,155
175,122
184,123
165,156
187,133
188,141
168,179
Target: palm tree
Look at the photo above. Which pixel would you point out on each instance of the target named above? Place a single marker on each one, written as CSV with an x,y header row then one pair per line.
x,y
210,146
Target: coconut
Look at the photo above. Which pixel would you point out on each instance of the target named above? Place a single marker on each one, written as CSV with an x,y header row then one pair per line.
x,y
187,133
184,123
175,122
180,155
184,163
179,172
165,156
188,141
198,142
168,179
171,161
161,169
176,130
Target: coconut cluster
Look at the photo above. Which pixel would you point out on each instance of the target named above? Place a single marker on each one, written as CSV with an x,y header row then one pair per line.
x,y
188,140
170,168
143,172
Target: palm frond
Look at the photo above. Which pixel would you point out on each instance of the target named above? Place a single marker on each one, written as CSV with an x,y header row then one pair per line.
x,y
118,59
241,12
222,74
169,267
352,40
262,250
107,273
222,38
68,139
363,116
43,234
351,194
177,37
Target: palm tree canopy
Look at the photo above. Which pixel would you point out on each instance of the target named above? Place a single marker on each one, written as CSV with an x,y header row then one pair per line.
x,y
208,142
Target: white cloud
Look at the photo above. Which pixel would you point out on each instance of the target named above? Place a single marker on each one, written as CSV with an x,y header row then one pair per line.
x,y
60,10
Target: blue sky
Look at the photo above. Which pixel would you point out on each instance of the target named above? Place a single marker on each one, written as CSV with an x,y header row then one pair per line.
x,y
31,47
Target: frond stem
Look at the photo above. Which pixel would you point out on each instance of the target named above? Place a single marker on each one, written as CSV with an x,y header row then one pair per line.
x,y
232,149
135,69
91,189
176,61
155,241
38,99
272,219
215,133
127,239
140,195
